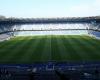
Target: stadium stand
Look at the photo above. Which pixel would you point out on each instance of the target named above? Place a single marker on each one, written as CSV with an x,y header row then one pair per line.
x,y
62,71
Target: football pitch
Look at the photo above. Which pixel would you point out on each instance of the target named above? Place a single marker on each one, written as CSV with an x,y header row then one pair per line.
x,y
32,49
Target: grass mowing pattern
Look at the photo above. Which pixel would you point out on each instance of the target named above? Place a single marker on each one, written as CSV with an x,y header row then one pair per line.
x,y
49,48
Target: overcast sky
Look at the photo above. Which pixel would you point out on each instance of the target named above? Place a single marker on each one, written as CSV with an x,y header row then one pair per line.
x,y
49,8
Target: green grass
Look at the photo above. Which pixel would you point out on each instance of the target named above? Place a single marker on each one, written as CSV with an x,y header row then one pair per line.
x,y
49,48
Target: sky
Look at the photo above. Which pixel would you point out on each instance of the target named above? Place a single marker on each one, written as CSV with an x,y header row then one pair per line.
x,y
49,8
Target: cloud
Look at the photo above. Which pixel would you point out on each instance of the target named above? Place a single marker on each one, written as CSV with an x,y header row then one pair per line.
x,y
86,9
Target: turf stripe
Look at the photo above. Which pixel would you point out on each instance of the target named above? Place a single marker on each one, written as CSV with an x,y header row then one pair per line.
x,y
38,52
12,53
81,48
8,49
55,55
92,50
62,49
17,55
26,57
46,54
45,48
73,52
59,47
8,42
93,41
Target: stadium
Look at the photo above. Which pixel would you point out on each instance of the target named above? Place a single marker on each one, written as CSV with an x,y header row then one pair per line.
x,y
28,43
57,49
